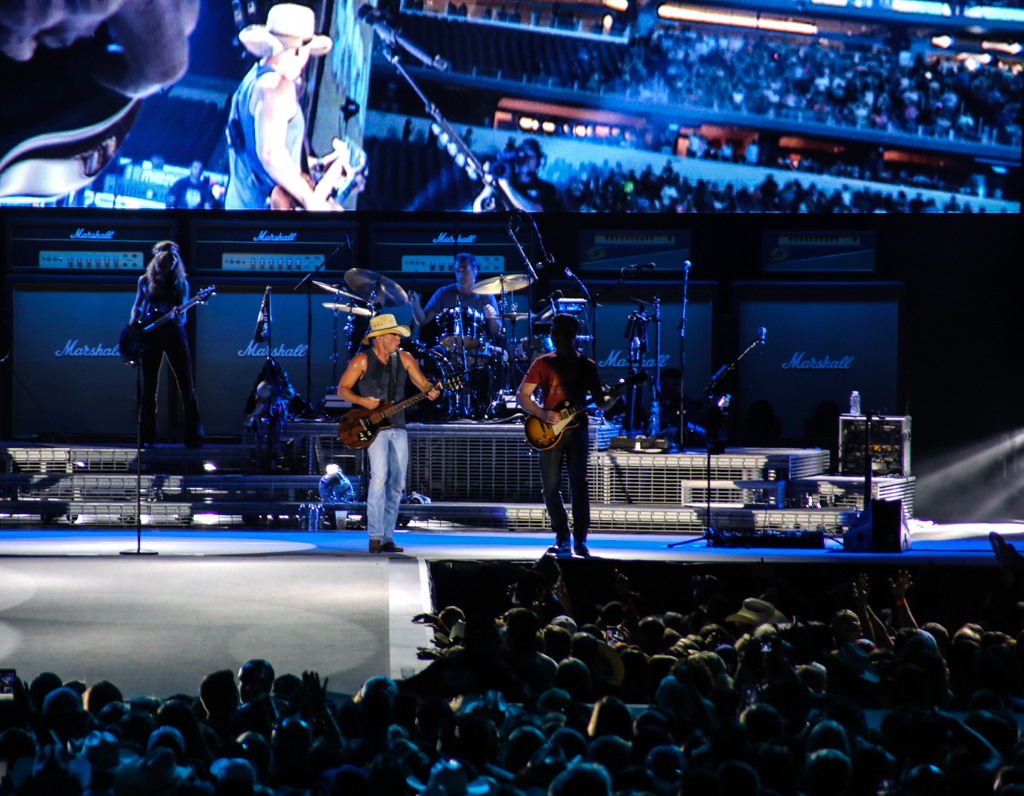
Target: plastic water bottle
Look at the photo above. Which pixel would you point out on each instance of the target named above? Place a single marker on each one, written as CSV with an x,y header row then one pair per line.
x,y
854,403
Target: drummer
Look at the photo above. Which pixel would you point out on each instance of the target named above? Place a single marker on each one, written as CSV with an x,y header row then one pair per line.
x,y
448,297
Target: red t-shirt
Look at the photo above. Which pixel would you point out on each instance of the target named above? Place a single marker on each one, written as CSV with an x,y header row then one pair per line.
x,y
563,378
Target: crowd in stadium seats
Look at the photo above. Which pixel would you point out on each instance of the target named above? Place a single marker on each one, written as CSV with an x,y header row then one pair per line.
x,y
735,696
600,189
865,86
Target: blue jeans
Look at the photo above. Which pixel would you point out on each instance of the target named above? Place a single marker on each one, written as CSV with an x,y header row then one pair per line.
x,y
574,449
389,459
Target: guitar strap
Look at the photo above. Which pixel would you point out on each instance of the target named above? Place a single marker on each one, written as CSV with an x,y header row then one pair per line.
x,y
392,377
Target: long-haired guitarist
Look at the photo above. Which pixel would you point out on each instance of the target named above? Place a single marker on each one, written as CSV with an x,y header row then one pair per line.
x,y
379,372
161,290
564,376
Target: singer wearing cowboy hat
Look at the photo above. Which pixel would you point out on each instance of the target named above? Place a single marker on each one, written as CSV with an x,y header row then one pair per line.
x,y
266,128
379,371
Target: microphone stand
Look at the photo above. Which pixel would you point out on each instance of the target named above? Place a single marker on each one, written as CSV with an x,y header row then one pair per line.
x,y
308,281
138,551
682,360
655,425
529,289
712,533
596,303
586,295
460,326
473,166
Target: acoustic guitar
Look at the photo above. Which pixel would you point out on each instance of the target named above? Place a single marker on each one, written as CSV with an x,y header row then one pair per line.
x,y
357,428
133,336
544,436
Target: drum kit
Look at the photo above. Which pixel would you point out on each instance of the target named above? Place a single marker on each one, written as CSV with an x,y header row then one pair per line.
x,y
495,364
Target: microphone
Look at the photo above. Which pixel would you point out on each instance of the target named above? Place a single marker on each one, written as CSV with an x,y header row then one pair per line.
x,y
760,334
642,266
375,19
552,298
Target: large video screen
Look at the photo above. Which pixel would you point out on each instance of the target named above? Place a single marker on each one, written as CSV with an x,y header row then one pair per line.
x,y
825,106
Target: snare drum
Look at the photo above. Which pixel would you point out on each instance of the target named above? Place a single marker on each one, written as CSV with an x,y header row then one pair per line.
x,y
468,328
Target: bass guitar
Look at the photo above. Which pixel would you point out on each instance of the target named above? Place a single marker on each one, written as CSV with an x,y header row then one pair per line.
x,y
133,336
357,428
544,436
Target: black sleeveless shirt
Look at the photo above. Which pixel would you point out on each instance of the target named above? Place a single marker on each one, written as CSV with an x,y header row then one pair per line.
x,y
376,382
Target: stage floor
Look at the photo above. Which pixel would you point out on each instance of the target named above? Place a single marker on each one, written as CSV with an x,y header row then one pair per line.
x,y
946,543
70,603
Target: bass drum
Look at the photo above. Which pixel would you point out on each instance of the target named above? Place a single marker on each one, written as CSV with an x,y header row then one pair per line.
x,y
435,367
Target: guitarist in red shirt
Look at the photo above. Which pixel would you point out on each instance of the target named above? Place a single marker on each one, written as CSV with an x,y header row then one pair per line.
x,y
565,375
380,372
161,290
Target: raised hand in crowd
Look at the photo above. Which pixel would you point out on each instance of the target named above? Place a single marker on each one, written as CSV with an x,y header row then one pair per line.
x,y
872,626
899,589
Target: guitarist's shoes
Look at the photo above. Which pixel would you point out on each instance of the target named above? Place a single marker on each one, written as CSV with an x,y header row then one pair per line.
x,y
375,546
581,550
391,547
560,550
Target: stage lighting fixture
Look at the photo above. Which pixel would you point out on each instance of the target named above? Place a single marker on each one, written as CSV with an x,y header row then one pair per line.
x,y
945,42
210,467
617,5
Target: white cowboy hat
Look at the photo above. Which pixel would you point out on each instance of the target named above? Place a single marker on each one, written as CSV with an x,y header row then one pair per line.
x,y
757,612
289,26
385,324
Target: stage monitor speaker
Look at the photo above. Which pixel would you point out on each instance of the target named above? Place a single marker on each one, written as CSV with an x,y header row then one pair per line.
x,y
881,528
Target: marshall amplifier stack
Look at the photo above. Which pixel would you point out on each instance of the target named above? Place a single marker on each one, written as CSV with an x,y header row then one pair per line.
x,y
425,249
84,246
264,248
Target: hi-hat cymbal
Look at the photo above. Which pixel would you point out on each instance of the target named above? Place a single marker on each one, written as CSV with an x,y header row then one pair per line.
x,y
333,289
516,316
495,284
351,309
371,286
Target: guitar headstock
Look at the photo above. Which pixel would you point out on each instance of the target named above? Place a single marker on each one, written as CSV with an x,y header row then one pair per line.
x,y
456,382
203,295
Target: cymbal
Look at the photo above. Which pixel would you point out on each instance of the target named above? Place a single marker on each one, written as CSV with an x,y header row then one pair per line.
x,y
349,308
516,316
493,285
371,286
333,289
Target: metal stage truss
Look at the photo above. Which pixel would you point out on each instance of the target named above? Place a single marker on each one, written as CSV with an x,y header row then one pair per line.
x,y
464,474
